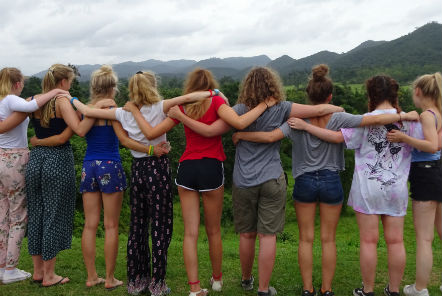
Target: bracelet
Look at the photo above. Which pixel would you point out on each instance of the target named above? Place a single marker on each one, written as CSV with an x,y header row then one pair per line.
x,y
216,278
266,104
400,117
216,91
150,151
193,283
72,100
210,92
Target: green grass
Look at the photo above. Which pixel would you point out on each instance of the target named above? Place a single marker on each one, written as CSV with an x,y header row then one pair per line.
x,y
286,277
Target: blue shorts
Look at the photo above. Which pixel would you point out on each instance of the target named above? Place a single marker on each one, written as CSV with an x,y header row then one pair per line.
x,y
320,186
106,176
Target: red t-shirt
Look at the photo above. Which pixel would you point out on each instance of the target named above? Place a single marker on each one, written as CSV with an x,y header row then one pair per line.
x,y
197,146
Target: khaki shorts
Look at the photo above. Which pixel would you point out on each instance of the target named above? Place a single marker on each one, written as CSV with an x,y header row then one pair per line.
x,y
260,208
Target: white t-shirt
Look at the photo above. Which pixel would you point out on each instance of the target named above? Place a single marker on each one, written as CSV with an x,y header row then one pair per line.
x,y
153,114
379,183
16,137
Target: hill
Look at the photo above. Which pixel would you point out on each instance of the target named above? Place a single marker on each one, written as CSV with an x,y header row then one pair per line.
x,y
403,58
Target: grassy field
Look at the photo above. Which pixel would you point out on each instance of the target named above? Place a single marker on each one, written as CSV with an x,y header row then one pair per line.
x,y
286,277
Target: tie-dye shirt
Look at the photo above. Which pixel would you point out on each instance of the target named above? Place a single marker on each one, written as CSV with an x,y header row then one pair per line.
x,y
379,183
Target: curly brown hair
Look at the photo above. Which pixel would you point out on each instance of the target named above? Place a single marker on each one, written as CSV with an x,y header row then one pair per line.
x,y
260,83
320,86
198,80
382,88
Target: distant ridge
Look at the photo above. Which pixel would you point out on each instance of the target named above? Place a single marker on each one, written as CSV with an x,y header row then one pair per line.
x,y
403,58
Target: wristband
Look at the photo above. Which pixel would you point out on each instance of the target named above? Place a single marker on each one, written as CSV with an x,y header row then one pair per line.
x,y
210,92
216,91
72,100
150,152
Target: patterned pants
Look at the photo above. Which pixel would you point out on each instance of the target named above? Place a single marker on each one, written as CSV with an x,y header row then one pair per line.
x,y
151,210
13,212
50,189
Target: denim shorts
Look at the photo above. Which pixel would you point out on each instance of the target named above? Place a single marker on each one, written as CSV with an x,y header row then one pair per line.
x,y
320,186
106,176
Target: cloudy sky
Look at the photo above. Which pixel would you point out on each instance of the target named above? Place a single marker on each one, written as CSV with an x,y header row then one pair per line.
x,y
36,34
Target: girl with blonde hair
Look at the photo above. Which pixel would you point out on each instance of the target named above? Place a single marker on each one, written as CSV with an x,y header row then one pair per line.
x,y
425,175
150,194
14,155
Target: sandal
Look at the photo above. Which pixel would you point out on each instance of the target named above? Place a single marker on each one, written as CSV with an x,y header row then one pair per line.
x,y
202,292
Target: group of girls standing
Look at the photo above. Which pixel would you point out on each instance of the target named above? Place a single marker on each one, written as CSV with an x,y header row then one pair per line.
x,y
259,185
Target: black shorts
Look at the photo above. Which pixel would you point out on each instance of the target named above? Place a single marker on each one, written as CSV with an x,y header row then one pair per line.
x,y
426,181
205,174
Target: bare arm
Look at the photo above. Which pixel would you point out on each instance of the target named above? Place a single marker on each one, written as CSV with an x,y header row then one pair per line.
x,y
429,144
307,111
56,140
12,121
241,122
148,131
130,143
187,98
71,117
217,128
321,133
260,137
46,97
94,112
382,119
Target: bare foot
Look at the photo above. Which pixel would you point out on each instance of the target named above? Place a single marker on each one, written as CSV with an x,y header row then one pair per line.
x,y
56,280
112,284
97,281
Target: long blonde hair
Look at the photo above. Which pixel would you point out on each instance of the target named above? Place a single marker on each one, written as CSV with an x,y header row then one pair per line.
x,y
103,83
8,77
198,80
53,77
143,88
431,87
260,83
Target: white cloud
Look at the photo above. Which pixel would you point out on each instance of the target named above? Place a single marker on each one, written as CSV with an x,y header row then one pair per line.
x,y
36,34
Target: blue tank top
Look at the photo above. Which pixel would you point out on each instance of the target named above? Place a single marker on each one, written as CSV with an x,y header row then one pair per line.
x,y
102,144
417,156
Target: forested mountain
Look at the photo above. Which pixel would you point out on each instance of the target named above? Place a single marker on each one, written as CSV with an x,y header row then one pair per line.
x,y
403,58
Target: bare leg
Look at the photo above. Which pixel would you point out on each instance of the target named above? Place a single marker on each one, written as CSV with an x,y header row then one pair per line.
x,y
213,208
424,213
38,267
438,220
50,277
92,210
394,237
369,237
305,215
190,201
266,259
329,222
112,208
247,243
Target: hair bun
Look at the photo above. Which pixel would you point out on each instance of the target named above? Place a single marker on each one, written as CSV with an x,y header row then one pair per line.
x,y
319,72
106,69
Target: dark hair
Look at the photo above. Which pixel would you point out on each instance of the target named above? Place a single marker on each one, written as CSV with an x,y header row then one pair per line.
x,y
319,86
382,88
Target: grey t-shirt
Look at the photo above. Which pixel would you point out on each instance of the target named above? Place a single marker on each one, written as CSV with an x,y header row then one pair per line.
x,y
256,163
310,154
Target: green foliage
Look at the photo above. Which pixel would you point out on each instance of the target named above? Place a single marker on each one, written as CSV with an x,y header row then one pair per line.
x,y
32,87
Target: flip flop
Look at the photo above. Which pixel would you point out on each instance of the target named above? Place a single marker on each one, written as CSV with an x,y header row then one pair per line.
x,y
37,281
60,282
114,287
99,282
